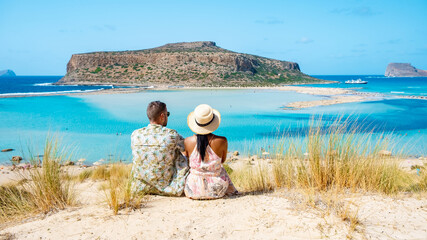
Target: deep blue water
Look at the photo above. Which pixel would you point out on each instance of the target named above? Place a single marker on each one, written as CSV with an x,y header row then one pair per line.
x,y
416,86
33,85
99,126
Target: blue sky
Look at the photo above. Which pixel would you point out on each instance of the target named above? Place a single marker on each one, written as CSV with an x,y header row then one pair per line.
x,y
324,37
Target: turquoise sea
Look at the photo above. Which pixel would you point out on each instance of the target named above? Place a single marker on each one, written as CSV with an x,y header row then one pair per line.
x,y
99,126
404,86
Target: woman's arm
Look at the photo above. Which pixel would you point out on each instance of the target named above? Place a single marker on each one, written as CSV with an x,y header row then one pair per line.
x,y
189,144
225,151
185,153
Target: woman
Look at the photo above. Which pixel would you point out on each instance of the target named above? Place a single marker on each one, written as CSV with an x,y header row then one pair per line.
x,y
206,151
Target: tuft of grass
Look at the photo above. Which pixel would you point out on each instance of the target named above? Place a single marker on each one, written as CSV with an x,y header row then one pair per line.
x,y
419,182
15,202
49,185
342,156
100,173
85,174
253,179
350,217
423,181
44,188
330,161
331,203
227,168
116,187
118,191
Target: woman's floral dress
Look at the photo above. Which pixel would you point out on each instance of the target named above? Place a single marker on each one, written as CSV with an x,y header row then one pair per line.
x,y
207,179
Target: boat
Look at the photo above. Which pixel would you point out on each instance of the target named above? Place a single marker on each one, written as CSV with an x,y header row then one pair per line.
x,y
358,81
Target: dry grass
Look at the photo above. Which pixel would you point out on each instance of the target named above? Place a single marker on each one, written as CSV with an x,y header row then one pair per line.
x,y
47,188
331,203
253,178
48,184
328,163
15,202
85,174
420,181
100,173
339,157
117,188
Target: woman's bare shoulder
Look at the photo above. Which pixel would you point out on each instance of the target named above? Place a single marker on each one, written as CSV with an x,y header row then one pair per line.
x,y
190,139
220,138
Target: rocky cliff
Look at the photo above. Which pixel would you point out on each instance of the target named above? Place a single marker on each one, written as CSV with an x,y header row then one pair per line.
x,y
403,70
189,64
7,73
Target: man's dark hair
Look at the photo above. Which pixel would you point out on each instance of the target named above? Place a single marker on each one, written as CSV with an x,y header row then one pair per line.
x,y
154,110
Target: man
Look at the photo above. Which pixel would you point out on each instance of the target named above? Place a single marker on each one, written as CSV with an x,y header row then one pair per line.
x,y
158,164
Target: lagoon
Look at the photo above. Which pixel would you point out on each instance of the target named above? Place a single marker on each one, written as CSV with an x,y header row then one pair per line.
x,y
99,126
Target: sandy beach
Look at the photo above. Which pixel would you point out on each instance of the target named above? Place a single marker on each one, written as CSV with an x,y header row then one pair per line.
x,y
282,214
333,100
335,96
278,215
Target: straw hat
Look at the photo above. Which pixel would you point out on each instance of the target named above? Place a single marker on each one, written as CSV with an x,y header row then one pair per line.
x,y
204,119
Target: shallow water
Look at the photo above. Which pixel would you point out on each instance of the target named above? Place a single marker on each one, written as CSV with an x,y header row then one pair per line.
x,y
99,126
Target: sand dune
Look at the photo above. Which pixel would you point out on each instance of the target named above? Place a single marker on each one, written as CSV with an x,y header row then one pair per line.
x,y
279,215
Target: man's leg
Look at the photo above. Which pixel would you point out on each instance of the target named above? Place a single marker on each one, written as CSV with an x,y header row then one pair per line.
x,y
176,186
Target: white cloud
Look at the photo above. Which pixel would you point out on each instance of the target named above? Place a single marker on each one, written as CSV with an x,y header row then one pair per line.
x,y
358,11
305,40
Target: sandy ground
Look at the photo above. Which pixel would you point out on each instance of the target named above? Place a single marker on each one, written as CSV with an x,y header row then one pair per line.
x,y
8,176
316,90
283,214
325,102
336,96
268,216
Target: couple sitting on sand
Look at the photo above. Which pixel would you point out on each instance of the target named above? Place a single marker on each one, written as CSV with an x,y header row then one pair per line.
x,y
160,164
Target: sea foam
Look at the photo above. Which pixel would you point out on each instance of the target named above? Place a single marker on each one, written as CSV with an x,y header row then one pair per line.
x,y
48,93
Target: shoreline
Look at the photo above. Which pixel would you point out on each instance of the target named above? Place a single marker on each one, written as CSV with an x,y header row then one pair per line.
x,y
335,96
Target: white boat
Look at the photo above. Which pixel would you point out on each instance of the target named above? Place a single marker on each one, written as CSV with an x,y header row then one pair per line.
x,y
358,81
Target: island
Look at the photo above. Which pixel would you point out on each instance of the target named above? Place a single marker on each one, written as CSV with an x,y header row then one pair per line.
x,y
404,70
194,64
7,73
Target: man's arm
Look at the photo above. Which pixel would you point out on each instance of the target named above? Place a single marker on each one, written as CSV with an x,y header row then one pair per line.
x,y
180,143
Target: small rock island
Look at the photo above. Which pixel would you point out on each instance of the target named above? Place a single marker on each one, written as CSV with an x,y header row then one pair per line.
x,y
7,73
404,70
194,64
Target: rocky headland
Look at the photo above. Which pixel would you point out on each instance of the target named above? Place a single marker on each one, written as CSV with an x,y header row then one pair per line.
x,y
7,73
201,64
404,70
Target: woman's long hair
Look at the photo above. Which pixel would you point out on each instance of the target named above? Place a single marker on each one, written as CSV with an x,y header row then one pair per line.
x,y
202,144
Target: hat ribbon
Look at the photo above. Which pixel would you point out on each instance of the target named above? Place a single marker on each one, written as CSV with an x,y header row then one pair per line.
x,y
204,125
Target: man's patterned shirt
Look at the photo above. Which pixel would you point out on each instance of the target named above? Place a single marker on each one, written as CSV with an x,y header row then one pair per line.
x,y
158,165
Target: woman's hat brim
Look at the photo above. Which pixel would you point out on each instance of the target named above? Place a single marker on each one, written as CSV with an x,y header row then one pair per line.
x,y
191,122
